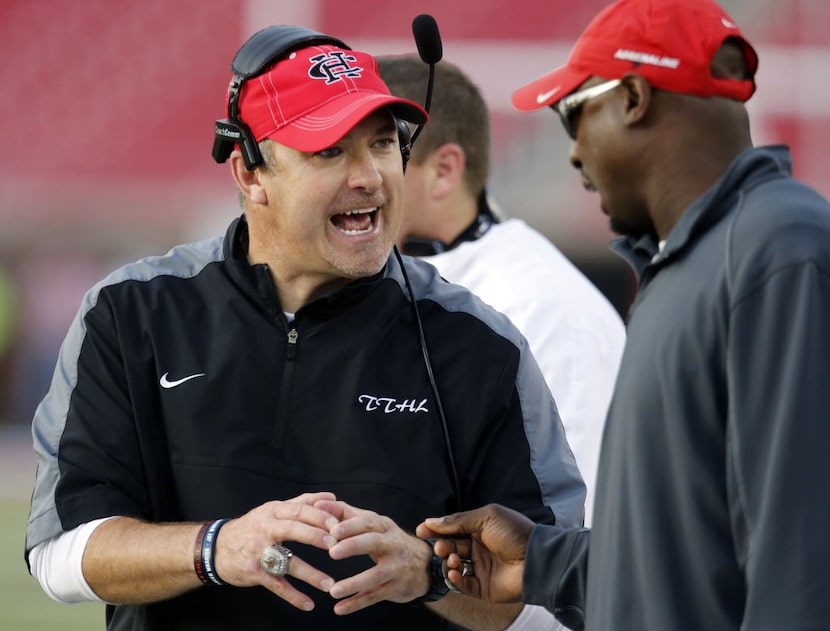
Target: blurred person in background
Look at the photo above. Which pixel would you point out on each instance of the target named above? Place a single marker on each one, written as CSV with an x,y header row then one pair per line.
x,y
449,220
9,321
711,509
52,275
261,410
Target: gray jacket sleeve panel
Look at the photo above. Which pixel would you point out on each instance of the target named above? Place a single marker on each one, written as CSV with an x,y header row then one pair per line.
x,y
47,430
555,572
82,431
551,457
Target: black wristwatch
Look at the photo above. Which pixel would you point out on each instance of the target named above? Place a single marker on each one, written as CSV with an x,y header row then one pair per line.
x,y
438,585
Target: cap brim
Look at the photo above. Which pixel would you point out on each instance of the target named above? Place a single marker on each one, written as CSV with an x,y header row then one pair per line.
x,y
324,126
549,89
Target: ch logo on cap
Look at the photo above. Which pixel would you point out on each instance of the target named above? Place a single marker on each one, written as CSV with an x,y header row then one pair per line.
x,y
332,66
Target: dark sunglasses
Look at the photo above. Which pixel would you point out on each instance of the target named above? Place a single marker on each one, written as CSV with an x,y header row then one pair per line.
x,y
570,105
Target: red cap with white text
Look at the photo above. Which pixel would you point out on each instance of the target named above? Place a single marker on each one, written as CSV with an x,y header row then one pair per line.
x,y
313,97
671,43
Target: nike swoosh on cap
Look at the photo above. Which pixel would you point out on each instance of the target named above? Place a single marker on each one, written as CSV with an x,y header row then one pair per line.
x,y
165,383
544,96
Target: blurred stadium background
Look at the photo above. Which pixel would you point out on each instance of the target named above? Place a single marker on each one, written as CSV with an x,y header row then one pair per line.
x,y
107,123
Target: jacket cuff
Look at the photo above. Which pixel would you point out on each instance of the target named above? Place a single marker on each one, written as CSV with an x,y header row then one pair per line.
x,y
555,572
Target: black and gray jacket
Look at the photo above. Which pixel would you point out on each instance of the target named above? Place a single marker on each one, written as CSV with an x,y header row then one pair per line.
x,y
183,394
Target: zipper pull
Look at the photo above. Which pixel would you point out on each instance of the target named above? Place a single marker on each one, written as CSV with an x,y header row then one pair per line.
x,y
292,343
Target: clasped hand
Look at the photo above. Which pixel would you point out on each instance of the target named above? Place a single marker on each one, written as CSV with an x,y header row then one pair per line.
x,y
400,560
318,519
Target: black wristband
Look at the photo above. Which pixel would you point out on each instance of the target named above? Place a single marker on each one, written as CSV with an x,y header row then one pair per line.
x,y
208,551
438,587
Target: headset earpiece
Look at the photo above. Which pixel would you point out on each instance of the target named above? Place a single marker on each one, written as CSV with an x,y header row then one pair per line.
x,y
263,49
231,132
404,140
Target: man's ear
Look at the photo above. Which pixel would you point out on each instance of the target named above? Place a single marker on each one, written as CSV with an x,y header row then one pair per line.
x,y
638,98
447,164
249,182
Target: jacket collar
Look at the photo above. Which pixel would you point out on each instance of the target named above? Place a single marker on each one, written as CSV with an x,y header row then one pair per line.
x,y
747,170
255,281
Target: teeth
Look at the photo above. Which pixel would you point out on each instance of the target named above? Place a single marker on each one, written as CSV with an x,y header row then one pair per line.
x,y
358,211
350,232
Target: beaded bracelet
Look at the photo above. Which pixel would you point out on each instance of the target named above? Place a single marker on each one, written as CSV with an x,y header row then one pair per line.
x,y
204,552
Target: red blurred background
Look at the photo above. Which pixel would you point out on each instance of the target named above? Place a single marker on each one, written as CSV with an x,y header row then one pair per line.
x,y
108,110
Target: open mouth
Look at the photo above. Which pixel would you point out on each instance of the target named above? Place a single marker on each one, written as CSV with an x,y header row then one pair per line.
x,y
358,221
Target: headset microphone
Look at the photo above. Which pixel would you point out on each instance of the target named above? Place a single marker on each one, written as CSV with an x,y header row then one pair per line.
x,y
428,41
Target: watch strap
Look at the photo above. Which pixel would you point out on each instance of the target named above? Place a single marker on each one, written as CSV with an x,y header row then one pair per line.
x,y
438,586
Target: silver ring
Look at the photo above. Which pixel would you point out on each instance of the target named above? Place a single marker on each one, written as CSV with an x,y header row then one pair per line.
x,y
467,569
275,560
450,586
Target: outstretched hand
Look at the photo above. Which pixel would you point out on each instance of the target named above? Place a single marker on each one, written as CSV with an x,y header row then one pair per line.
x,y
497,544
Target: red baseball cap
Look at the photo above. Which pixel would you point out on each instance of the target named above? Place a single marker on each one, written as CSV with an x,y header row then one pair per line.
x,y
314,96
671,43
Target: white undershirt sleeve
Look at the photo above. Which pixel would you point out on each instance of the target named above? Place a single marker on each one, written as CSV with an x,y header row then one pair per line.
x,y
534,618
57,564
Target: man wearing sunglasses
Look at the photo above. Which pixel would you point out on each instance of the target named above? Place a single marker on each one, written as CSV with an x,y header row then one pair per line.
x,y
711,509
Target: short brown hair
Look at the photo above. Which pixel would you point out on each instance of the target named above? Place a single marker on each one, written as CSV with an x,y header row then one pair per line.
x,y
457,113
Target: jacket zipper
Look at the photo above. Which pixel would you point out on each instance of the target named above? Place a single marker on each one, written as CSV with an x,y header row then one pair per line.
x,y
281,423
292,343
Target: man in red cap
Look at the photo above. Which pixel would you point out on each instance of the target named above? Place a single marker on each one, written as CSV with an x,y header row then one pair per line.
x,y
278,408
711,509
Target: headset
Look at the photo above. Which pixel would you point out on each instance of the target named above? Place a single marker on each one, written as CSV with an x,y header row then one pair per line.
x,y
263,49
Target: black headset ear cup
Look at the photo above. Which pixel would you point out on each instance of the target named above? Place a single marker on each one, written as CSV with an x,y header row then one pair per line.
x,y
249,148
404,140
230,132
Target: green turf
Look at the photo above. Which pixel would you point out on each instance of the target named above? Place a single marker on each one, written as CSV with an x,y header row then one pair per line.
x,y
23,605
